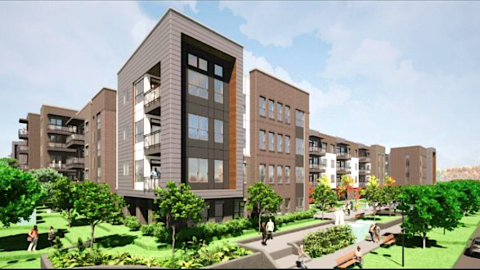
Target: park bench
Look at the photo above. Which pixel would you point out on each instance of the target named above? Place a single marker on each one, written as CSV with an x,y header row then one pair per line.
x,y
346,260
359,215
389,239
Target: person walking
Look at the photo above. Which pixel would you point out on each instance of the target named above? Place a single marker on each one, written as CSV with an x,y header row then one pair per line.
x,y
51,235
348,208
270,228
371,232
358,256
264,233
301,258
351,205
377,232
33,239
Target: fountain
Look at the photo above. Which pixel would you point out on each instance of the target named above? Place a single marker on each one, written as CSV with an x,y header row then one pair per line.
x,y
360,229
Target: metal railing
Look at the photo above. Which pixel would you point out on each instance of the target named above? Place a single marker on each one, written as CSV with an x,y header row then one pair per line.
x,y
344,169
75,160
316,166
22,132
364,171
343,154
23,148
151,96
56,145
149,184
317,149
76,137
62,128
57,166
152,139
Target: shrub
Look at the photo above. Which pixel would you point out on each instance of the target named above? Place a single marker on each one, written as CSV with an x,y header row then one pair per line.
x,y
161,232
147,229
132,223
328,241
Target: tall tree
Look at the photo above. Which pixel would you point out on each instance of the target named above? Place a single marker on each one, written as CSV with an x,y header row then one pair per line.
x,y
450,214
19,193
323,195
389,193
176,206
346,186
47,177
262,199
13,163
373,193
97,204
64,195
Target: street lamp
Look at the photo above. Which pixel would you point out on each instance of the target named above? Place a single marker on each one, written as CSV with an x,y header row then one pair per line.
x,y
403,236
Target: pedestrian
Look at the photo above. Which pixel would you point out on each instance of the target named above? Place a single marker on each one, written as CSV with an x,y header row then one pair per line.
x,y
51,235
343,208
371,232
264,233
348,208
356,206
153,174
33,239
358,256
351,205
301,258
270,228
377,232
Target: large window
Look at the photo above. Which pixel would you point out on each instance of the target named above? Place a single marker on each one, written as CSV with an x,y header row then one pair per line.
x,y
197,127
139,88
218,70
279,111
287,114
271,170
99,121
261,139
262,106
300,203
139,171
271,141
287,174
218,131
287,144
299,118
197,62
261,173
197,84
299,174
218,171
279,143
271,104
218,87
287,205
99,148
279,174
299,147
139,131
56,121
197,170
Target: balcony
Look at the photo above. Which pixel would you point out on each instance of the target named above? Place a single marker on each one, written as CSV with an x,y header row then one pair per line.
x,y
23,134
343,155
22,149
152,101
65,130
76,163
152,143
363,171
149,183
344,170
59,147
75,141
316,150
363,159
321,168
23,167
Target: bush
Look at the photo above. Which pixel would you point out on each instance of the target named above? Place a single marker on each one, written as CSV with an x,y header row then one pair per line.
x,y
147,229
328,241
161,232
132,223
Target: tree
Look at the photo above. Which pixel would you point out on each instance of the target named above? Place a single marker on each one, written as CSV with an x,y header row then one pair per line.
x,y
176,206
64,195
11,162
373,193
346,186
19,193
97,204
470,199
262,199
323,195
46,176
389,193
451,213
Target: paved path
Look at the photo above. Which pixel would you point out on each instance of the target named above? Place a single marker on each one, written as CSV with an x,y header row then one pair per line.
x,y
469,262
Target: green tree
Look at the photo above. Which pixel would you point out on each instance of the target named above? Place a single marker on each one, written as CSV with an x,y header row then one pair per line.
x,y
64,195
323,195
262,199
451,213
470,199
346,187
389,193
11,162
47,177
373,193
96,203
176,206
19,193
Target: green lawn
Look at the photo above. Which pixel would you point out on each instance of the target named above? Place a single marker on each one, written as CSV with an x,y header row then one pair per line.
x,y
381,218
442,250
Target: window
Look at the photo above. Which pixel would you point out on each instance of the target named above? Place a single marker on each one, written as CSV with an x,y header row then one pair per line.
x,y
299,174
124,134
287,144
126,169
332,147
139,131
332,178
99,148
86,126
238,208
99,174
99,121
197,170
261,139
279,143
299,203
218,70
218,87
287,174
197,84
287,114
218,171
279,111
192,60
197,127
86,151
270,108
139,88
261,173
287,205
299,118
300,147
218,131
279,174
271,141
262,106
139,171
87,174
56,121
271,170
202,64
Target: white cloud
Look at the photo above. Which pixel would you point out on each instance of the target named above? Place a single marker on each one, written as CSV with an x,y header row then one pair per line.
x,y
181,5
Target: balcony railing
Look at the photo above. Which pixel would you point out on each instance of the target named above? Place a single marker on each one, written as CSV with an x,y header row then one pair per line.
x,y
317,149
149,184
75,160
364,171
23,148
56,145
62,128
343,169
151,96
58,166
152,139
343,155
315,166
23,167
363,158
22,133
75,137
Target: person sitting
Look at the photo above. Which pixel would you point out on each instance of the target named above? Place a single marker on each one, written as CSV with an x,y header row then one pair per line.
x,y
358,256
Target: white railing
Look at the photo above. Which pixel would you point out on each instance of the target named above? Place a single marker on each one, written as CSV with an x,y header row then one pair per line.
x,y
62,128
152,95
152,139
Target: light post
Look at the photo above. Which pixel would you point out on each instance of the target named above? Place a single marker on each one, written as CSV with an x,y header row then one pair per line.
x,y
403,236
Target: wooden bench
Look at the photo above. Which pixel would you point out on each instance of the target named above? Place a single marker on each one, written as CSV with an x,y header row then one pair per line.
x,y
389,239
346,260
359,215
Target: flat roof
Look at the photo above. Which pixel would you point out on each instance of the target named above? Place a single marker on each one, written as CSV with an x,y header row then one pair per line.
x,y
280,80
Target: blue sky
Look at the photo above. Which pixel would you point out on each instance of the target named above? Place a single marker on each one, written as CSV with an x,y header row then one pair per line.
x,y
391,73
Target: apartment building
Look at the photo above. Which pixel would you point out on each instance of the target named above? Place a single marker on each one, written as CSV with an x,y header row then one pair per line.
x,y
335,157
412,165
276,150
20,153
180,109
29,135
